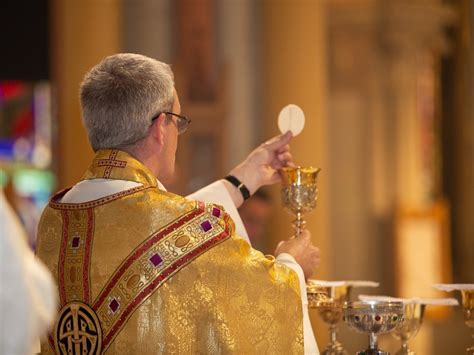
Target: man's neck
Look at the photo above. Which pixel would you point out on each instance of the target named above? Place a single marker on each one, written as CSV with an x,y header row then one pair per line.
x,y
145,157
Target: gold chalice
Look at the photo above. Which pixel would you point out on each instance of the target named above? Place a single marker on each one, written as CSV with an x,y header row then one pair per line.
x,y
468,307
317,295
413,317
330,311
299,192
467,293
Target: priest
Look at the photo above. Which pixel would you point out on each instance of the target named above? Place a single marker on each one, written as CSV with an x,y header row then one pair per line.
x,y
141,270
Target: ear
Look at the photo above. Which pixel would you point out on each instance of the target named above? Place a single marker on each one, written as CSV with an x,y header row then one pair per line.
x,y
157,129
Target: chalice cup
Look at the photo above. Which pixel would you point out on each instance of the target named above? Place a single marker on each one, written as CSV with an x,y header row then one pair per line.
x,y
373,318
317,295
412,319
299,192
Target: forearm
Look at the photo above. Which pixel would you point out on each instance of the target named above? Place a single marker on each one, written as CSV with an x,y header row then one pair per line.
x,y
234,193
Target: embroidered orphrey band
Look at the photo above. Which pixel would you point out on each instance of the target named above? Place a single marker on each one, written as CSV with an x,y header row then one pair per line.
x,y
150,265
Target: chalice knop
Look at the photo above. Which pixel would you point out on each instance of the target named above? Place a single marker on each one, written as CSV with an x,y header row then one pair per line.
x,y
299,192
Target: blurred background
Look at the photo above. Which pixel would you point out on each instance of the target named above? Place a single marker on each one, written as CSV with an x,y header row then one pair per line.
x,y
387,87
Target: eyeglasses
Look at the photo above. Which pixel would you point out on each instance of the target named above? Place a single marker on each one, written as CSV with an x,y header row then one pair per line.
x,y
182,122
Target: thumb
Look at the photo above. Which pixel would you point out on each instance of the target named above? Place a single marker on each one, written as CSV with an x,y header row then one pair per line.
x,y
278,141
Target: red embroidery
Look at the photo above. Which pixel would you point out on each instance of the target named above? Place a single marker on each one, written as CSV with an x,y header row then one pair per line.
x,y
139,252
87,255
142,249
165,274
62,258
83,248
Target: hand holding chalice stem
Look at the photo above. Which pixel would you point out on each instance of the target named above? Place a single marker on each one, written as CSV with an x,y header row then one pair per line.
x,y
299,192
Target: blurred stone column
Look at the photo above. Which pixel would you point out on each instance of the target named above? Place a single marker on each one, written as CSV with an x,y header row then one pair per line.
x,y
413,42
82,33
147,28
294,71
459,138
238,39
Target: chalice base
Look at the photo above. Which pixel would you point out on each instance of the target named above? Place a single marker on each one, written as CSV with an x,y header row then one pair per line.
x,y
334,349
405,352
373,352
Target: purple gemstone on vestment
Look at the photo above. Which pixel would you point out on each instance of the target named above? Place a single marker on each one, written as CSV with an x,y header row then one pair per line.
x,y
156,259
114,305
206,226
216,212
75,242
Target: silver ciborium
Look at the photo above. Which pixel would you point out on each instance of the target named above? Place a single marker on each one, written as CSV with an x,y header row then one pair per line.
x,y
414,309
299,192
373,318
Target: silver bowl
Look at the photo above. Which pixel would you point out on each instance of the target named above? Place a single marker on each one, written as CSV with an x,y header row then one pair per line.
x,y
373,318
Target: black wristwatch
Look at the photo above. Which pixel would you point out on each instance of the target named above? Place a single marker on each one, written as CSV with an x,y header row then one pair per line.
x,y
238,184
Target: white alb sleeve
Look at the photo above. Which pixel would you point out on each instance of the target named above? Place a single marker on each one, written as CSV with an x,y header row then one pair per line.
x,y
310,345
217,193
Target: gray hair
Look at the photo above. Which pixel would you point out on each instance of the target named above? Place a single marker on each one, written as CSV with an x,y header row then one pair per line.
x,y
120,96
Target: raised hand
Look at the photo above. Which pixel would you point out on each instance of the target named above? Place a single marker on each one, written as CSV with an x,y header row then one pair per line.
x,y
260,168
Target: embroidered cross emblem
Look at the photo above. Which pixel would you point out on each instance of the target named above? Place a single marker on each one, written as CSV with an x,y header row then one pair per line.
x,y
111,163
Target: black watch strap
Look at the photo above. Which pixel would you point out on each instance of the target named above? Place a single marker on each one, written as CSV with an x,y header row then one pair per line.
x,y
238,184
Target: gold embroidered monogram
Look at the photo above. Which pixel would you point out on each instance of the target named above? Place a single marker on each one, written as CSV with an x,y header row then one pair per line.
x,y
77,330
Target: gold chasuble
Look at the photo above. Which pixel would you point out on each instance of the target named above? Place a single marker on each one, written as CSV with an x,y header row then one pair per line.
x,y
144,271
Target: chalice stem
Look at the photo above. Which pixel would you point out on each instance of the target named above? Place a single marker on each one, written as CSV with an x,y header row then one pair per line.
x,y
333,332
334,345
373,341
405,347
299,224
